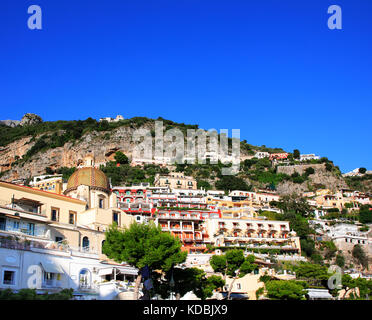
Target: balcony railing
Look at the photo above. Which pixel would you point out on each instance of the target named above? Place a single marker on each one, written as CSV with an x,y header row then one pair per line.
x,y
178,217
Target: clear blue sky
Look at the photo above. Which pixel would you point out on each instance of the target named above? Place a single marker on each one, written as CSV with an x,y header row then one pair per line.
x,y
270,68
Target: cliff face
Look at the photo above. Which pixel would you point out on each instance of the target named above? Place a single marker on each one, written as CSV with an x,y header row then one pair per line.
x,y
320,178
14,150
103,146
96,143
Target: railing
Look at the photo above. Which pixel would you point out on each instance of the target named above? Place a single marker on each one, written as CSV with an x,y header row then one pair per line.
x,y
254,238
31,244
7,205
178,217
51,283
13,244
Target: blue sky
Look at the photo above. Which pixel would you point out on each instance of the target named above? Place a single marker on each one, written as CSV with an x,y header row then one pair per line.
x,y
270,68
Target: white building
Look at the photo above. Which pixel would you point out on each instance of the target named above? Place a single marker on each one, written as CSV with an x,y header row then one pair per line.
x,y
346,236
48,267
311,156
261,155
109,119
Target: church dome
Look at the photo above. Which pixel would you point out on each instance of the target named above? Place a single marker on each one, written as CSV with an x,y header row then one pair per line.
x,y
90,177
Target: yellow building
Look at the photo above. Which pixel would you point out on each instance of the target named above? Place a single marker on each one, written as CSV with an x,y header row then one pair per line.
x,y
253,233
48,183
175,180
79,217
233,209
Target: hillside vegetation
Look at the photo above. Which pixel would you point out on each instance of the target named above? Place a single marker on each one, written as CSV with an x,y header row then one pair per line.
x,y
77,136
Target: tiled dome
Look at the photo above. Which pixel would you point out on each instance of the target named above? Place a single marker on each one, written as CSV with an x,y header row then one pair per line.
x,y
88,176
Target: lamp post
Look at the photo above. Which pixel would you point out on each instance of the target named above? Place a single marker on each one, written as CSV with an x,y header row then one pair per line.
x,y
171,284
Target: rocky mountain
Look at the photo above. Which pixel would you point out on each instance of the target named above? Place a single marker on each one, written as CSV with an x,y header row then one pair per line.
x,y
27,120
321,178
29,148
10,123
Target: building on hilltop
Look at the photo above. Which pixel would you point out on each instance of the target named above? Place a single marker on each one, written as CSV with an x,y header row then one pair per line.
x,y
305,157
109,119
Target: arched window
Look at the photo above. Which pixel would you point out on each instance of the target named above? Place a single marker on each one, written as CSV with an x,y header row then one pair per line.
x,y
85,244
85,278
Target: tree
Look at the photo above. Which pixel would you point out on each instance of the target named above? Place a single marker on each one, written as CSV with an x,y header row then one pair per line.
x,y
206,285
312,273
365,214
121,158
340,260
359,254
285,290
233,264
330,249
296,154
296,204
143,245
328,166
362,170
203,184
347,283
227,183
186,280
309,171
49,170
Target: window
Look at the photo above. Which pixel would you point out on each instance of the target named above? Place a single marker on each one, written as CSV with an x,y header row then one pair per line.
x,y
115,217
2,223
101,203
85,243
31,229
103,242
9,277
72,218
55,214
15,225
59,239
238,286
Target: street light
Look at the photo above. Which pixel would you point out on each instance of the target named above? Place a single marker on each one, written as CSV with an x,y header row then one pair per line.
x,y
171,284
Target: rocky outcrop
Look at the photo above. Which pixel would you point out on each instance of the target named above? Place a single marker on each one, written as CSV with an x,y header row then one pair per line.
x,y
30,119
70,155
320,178
27,120
14,151
10,123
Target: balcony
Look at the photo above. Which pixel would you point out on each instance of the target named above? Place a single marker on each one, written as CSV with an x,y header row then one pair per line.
x,y
175,228
166,217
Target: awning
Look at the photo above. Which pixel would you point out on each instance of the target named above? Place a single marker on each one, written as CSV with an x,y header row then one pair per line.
x,y
119,270
51,267
236,296
104,271
319,294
